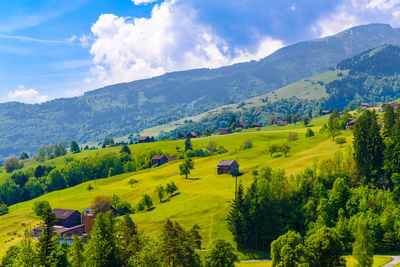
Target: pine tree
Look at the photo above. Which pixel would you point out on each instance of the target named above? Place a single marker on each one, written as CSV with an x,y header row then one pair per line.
x,y
76,253
74,147
47,244
368,146
188,144
101,249
389,119
129,240
236,217
125,149
363,250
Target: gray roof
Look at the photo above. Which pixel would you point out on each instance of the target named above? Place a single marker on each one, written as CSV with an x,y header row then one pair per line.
x,y
226,163
63,214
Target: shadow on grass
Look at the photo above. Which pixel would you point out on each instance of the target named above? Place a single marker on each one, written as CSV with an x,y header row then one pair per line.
x,y
251,254
165,200
175,194
193,179
152,208
277,156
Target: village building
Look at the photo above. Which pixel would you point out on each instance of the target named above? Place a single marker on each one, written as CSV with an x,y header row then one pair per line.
x,y
350,124
393,105
277,121
241,125
144,139
159,160
255,124
325,112
365,105
191,135
225,130
228,167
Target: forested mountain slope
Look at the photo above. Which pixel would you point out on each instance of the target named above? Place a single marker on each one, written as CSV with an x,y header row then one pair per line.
x,y
129,107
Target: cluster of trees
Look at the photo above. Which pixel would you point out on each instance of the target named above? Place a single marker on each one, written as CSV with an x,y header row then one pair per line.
x,y
283,148
51,151
347,204
170,188
118,244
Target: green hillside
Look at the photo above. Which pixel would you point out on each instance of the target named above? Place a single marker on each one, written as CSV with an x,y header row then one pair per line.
x,y
202,199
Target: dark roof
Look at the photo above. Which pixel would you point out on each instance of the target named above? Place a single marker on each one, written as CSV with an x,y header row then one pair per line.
x,y
351,122
59,229
142,138
63,214
226,163
225,129
158,157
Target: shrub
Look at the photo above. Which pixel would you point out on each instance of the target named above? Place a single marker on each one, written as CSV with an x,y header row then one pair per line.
x,y
12,164
247,145
292,136
40,206
309,133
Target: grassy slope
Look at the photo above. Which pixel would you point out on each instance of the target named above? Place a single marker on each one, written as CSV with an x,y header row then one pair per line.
x,y
203,199
303,89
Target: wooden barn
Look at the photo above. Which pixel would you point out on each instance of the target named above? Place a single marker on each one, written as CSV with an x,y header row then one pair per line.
x,y
228,167
159,160
144,139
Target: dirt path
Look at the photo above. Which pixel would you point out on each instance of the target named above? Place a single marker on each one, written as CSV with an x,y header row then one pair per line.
x,y
396,260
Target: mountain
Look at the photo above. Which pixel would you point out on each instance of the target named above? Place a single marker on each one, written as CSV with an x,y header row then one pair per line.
x,y
129,107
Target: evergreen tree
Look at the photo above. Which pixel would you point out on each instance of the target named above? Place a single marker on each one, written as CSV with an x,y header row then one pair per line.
x,y
195,237
236,217
368,146
389,120
186,166
27,256
74,147
363,249
129,240
76,253
101,249
125,149
222,255
47,244
188,144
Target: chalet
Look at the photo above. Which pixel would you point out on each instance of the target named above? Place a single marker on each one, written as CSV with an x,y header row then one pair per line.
x,y
228,167
225,130
144,139
241,125
191,135
350,124
255,124
159,160
365,105
277,121
325,112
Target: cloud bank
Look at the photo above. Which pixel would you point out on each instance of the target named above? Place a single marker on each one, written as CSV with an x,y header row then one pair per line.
x,y
24,95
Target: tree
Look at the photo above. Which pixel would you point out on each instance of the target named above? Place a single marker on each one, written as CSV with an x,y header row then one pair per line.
x,y
334,124
129,240
273,149
160,192
284,148
236,217
76,254
288,250
46,244
195,237
363,249
207,132
101,204
222,254
368,146
188,144
10,256
309,133
102,249
89,188
40,206
179,135
306,120
12,164
325,248
74,147
55,181
340,141
171,188
125,149
24,156
132,182
389,119
186,166
60,149
146,201
27,255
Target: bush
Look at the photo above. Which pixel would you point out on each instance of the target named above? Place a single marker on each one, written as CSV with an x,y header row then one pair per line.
x,y
246,145
12,164
309,133
340,141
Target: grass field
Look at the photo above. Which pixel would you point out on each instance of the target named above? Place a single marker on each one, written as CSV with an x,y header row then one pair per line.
x,y
202,199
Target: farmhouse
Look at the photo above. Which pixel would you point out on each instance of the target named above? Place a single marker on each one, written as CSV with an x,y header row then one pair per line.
x,y
159,160
225,130
325,112
242,125
350,124
191,135
228,167
255,124
144,139
365,105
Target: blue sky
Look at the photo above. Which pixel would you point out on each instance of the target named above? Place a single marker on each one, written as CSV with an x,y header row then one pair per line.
x,y
52,48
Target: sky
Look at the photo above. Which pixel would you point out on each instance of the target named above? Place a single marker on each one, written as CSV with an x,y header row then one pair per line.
x,y
51,49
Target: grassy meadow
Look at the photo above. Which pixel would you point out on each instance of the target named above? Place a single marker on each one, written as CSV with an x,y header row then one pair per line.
x,y
202,199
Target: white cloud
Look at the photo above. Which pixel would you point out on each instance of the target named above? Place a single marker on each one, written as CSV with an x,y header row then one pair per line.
x,y
141,2
125,49
350,13
26,95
